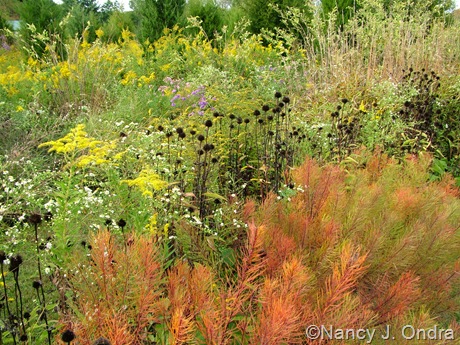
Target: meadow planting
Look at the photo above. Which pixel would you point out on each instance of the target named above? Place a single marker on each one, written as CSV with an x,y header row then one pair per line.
x,y
233,189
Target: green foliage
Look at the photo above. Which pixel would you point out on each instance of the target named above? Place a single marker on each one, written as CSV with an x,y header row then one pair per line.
x,y
209,13
42,17
153,16
264,14
342,10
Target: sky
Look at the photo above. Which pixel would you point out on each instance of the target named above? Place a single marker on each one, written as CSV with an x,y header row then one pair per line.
x,y
125,3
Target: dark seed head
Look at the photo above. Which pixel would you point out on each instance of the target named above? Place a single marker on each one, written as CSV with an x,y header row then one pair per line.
x,y
200,137
121,223
108,221
208,123
123,135
232,116
36,284
2,256
102,341
286,99
48,216
344,100
265,107
169,134
15,262
256,112
35,219
246,121
27,315
179,130
192,132
200,152
23,337
215,114
239,120
160,128
214,160
277,94
182,135
207,147
67,336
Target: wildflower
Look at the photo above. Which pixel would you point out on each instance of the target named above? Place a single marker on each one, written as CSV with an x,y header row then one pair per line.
x,y
278,94
208,123
200,137
148,181
265,107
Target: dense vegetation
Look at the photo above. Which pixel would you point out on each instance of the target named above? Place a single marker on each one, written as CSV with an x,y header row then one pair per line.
x,y
232,178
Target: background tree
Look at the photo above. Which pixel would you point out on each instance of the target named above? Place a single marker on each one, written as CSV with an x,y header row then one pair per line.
x,y
263,15
345,9
210,13
152,16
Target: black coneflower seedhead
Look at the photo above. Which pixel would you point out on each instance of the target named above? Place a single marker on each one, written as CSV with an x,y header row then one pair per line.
x,y
207,147
147,132
123,135
260,121
121,223
169,134
246,121
35,219
36,284
200,137
2,256
256,112
67,336
27,315
179,130
200,152
269,118
48,216
216,114
232,126
182,135
278,94
23,337
232,116
192,132
15,262
108,222
160,128
270,133
102,341
286,100
344,100
239,120
265,107
208,123
214,160
339,107
280,104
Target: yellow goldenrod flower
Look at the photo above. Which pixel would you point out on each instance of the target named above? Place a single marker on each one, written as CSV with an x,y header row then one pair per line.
x,y
148,181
